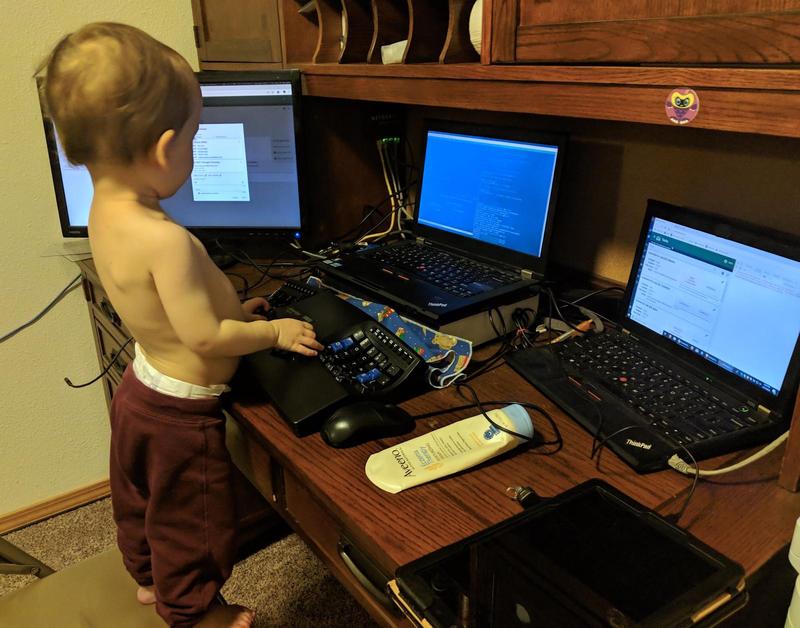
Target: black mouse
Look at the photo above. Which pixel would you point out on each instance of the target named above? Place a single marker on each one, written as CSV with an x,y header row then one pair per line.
x,y
364,421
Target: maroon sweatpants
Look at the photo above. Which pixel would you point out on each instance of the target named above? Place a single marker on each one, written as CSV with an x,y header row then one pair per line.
x,y
172,496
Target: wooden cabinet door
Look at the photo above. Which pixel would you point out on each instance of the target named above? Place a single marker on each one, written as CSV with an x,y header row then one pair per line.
x,y
646,31
245,31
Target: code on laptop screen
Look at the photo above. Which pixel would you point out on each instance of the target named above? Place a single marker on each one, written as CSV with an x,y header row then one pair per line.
x,y
732,304
491,190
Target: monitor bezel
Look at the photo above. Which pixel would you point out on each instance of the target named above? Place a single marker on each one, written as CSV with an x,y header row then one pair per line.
x,y
206,233
535,264
764,238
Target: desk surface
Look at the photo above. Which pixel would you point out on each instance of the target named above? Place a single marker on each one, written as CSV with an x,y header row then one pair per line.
x,y
745,515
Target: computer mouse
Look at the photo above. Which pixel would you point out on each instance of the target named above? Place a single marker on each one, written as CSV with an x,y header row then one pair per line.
x,y
363,421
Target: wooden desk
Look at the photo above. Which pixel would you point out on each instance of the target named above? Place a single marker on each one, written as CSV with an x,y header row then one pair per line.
x,y
324,494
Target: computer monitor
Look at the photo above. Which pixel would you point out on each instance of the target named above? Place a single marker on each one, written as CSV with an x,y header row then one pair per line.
x,y
245,185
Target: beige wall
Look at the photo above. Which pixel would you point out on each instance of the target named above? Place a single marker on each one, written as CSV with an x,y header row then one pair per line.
x,y
52,439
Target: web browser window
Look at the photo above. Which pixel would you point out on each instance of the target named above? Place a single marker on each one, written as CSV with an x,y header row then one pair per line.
x,y
730,303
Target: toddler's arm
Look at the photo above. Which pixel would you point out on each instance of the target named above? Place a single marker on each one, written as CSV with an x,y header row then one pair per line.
x,y
183,291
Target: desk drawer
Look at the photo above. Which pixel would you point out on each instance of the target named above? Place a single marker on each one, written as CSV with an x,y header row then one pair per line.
x,y
327,538
108,348
101,306
251,459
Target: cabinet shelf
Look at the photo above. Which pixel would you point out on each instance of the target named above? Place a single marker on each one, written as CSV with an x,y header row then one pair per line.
x,y
743,100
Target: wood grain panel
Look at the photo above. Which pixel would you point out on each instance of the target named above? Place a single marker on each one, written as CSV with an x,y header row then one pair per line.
x,y
773,113
731,78
504,21
300,33
360,31
429,20
342,166
391,18
745,39
247,32
458,46
329,40
568,11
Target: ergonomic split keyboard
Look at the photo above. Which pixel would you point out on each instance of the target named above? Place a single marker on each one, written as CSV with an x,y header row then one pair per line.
x,y
370,361
457,275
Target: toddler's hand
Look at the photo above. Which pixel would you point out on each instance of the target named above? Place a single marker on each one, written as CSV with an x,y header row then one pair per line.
x,y
254,309
297,336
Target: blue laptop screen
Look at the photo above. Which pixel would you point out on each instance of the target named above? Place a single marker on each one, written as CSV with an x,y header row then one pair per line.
x,y
491,190
734,305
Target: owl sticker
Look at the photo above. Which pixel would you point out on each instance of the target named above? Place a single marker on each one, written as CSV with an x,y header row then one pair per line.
x,y
682,105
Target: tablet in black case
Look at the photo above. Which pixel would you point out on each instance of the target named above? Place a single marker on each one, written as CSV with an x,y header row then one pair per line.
x,y
588,557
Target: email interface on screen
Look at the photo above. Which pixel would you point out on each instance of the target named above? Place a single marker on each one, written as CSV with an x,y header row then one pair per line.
x,y
732,304
245,163
493,190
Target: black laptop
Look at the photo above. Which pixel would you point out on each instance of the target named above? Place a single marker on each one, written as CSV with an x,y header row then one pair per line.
x,y
588,557
709,354
481,226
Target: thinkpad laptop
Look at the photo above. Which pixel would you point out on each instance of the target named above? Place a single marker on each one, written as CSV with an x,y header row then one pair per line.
x,y
708,358
481,226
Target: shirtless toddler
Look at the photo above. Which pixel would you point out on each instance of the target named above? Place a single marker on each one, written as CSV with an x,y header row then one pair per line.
x,y
128,108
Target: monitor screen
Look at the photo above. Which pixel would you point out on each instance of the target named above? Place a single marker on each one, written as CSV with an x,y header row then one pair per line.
x,y
246,176
735,305
490,189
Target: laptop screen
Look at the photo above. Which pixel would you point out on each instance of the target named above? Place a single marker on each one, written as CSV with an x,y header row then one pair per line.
x,y
492,190
732,304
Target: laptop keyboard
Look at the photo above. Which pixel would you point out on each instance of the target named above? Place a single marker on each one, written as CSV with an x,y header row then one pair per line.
x,y
678,408
457,275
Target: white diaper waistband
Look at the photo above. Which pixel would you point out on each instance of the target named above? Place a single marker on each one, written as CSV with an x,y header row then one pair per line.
x,y
155,379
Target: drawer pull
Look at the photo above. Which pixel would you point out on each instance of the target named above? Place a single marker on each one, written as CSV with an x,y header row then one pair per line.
x,y
109,311
345,548
105,370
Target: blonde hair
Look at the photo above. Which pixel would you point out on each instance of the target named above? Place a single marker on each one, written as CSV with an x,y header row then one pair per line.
x,y
112,90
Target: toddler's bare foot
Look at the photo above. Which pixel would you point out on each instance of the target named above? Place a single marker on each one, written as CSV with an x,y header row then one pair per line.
x,y
233,616
146,595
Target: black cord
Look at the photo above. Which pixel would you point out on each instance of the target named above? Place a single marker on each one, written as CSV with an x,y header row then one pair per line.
x,y
477,403
499,334
677,516
596,292
553,300
246,285
104,371
599,449
385,200
64,292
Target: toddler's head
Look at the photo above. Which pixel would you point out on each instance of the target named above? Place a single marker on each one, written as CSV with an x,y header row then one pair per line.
x,y
113,91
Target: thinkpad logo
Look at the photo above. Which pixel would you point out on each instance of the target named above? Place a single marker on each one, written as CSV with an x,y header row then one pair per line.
x,y
437,304
638,443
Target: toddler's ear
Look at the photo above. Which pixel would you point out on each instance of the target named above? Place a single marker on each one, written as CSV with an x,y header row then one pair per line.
x,y
162,147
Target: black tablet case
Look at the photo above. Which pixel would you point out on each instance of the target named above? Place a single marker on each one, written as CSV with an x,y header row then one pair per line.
x,y
589,557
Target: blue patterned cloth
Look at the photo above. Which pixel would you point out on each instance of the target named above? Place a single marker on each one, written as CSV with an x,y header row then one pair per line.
x,y
447,356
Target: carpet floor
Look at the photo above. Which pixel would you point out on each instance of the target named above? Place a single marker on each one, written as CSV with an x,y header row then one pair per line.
x,y
285,582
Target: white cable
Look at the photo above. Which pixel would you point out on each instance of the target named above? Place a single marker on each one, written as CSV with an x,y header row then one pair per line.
x,y
677,463
391,199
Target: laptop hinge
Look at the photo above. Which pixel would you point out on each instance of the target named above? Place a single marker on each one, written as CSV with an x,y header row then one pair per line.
x,y
526,274
766,411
